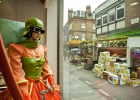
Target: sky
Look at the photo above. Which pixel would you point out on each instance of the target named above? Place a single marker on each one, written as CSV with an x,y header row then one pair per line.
x,y
79,5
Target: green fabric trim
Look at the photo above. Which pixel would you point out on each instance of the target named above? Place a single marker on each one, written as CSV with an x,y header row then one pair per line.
x,y
32,66
29,44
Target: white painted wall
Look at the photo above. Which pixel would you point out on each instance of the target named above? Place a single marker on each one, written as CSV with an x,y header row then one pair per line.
x,y
98,30
112,27
120,24
104,29
52,36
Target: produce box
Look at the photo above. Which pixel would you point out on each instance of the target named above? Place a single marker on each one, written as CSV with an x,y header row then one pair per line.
x,y
134,82
112,78
105,54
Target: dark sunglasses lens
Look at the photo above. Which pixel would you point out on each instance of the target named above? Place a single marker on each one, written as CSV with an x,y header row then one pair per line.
x,y
37,29
42,31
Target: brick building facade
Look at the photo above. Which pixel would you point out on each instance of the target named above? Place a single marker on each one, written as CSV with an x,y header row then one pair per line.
x,y
81,24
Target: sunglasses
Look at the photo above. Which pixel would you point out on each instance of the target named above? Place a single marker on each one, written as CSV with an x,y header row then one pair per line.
x,y
37,29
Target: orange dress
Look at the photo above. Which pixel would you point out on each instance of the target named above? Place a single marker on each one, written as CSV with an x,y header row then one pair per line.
x,y
30,68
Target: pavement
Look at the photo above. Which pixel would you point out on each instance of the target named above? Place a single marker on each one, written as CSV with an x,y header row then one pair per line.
x,y
74,89
81,84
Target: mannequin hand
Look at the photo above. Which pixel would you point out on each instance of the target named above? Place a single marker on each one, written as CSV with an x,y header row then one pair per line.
x,y
52,88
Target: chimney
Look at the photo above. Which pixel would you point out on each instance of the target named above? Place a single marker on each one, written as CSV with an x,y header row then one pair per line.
x,y
70,11
88,9
88,12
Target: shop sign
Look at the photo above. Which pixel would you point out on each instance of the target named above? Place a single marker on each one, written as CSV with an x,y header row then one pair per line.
x,y
135,20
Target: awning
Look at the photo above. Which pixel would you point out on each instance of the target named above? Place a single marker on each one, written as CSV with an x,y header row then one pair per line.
x,y
74,42
135,32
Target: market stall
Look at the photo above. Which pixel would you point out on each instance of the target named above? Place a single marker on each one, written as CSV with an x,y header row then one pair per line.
x,y
75,57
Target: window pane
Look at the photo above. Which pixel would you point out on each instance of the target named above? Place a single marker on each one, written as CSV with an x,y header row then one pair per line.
x,y
104,19
111,16
83,25
99,22
120,13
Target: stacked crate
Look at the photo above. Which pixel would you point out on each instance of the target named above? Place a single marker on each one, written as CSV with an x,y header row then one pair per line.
x,y
121,69
100,67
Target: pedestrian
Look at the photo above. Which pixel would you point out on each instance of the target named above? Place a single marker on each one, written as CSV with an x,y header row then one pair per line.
x,y
68,54
30,65
65,54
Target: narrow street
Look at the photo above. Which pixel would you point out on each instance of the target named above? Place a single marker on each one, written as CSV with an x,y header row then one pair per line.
x,y
81,84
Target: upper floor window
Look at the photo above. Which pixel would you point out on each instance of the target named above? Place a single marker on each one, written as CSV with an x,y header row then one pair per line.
x,y
98,21
93,26
120,11
111,15
104,19
83,36
83,25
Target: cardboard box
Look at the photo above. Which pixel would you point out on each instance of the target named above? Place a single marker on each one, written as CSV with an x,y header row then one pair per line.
x,y
112,63
133,74
99,66
122,71
111,58
105,54
112,78
126,76
105,75
134,82
97,72
138,75
124,66
122,81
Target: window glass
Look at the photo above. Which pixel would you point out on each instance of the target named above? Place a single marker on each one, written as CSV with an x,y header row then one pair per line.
x,y
120,11
104,18
83,25
83,36
82,14
111,15
98,21
93,27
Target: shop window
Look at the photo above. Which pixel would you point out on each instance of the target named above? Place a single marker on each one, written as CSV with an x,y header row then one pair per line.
x,y
98,21
83,25
104,19
83,36
111,15
120,11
